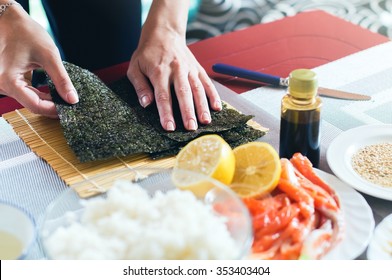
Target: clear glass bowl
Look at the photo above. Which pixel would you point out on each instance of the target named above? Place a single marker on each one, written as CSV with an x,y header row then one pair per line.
x,y
223,201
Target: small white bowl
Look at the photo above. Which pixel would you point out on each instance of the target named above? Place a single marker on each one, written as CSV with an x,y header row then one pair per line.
x,y
17,232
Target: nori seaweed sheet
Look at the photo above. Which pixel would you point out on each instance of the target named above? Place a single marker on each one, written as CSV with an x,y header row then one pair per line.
x,y
234,137
219,120
108,121
102,125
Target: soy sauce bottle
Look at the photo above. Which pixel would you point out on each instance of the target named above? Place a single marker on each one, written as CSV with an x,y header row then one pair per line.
x,y
300,117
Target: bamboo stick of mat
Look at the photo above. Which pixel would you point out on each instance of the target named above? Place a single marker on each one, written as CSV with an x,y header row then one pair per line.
x,y
45,137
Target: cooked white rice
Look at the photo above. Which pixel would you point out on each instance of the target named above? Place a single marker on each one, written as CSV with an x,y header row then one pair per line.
x,y
129,224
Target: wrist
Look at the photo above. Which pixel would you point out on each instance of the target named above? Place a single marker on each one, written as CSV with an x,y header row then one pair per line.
x,y
5,5
10,11
11,20
169,16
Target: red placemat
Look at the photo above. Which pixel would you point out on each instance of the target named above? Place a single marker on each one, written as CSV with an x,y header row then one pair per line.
x,y
307,40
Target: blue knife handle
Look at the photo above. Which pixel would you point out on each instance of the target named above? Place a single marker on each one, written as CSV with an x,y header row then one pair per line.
x,y
247,74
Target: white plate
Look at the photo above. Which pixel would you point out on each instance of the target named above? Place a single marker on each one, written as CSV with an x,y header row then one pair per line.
x,y
344,146
358,217
380,247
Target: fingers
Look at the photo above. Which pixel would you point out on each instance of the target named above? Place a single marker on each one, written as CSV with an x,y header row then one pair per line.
x,y
201,102
195,94
142,87
184,95
55,69
211,92
36,101
19,87
160,82
199,87
162,94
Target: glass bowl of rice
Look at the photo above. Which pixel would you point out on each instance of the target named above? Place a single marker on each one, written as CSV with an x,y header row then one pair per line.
x,y
147,214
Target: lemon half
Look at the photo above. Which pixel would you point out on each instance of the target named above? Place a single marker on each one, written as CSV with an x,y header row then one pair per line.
x,y
209,155
257,170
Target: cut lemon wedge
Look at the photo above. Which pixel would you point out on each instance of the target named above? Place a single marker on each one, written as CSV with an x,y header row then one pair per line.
x,y
209,155
257,170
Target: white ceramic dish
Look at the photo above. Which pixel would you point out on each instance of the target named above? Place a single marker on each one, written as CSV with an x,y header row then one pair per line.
x,y
358,217
344,146
18,230
380,247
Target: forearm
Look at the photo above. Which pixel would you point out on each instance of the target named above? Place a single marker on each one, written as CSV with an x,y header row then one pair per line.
x,y
168,16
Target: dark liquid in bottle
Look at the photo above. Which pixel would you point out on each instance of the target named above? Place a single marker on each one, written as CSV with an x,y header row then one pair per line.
x,y
300,137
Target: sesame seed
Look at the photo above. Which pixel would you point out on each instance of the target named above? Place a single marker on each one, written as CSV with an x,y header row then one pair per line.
x,y
374,163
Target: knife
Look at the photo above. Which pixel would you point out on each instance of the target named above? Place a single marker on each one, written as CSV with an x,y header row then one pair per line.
x,y
282,82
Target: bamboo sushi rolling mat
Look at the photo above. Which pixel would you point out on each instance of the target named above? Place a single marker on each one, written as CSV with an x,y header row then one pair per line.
x,y
45,137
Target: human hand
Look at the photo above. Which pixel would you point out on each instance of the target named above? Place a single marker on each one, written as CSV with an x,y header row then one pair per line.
x,y
25,46
163,59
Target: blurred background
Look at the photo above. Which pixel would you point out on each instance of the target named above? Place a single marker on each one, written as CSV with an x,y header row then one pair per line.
x,y
219,16
208,18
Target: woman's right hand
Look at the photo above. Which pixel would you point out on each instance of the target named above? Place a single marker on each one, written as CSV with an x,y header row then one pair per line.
x,y
24,46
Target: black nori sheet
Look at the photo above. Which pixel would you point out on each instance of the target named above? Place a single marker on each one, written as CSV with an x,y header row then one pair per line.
x,y
224,120
109,122
234,137
102,125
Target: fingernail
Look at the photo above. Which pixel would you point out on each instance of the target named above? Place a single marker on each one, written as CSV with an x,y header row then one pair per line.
x,y
192,125
205,117
170,126
72,97
145,101
218,105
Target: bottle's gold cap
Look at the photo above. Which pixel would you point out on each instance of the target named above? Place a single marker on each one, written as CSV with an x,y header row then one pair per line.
x,y
303,83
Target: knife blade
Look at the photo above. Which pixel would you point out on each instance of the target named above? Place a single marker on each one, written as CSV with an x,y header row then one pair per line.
x,y
235,71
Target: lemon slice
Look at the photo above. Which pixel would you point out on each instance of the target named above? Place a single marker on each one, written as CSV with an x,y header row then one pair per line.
x,y
257,170
197,183
209,155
